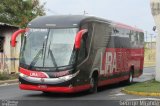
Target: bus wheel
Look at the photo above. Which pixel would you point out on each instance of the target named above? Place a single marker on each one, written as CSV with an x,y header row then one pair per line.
x,y
94,84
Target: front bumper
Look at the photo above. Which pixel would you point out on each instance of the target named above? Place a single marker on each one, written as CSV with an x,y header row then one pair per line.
x,y
47,80
54,89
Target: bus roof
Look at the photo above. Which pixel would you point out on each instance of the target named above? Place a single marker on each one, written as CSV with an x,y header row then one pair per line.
x,y
60,21
121,25
71,21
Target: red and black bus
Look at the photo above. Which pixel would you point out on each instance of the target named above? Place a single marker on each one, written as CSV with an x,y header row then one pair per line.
x,y
72,53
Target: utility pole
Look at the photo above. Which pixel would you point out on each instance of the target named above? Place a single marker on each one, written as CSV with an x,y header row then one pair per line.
x,y
146,36
84,12
155,8
151,41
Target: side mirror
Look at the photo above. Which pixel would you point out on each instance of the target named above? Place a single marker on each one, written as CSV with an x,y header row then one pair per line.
x,y
14,36
79,38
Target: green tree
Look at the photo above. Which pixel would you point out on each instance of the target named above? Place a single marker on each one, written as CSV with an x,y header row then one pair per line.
x,y
20,12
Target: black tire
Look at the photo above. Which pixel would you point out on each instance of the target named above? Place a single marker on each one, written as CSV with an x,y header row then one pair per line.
x,y
94,84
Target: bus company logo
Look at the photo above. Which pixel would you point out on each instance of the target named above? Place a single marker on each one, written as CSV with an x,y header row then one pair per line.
x,y
33,74
110,63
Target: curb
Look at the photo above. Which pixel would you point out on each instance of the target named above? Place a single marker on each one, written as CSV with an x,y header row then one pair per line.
x,y
149,66
9,81
140,93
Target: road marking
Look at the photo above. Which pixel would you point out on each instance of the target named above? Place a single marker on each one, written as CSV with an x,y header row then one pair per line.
x,y
6,84
148,74
120,94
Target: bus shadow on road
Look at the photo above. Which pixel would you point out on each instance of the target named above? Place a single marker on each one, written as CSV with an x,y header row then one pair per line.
x,y
60,95
113,86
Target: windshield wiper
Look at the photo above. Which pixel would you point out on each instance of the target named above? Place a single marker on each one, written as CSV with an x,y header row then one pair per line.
x,y
52,56
40,52
53,59
35,59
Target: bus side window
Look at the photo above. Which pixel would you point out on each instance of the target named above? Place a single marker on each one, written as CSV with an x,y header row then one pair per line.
x,y
83,49
134,38
141,38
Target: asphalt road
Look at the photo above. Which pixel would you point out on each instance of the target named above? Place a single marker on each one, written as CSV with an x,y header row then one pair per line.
x,y
106,94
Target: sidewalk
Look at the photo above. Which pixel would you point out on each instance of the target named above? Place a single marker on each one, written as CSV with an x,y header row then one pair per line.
x,y
8,81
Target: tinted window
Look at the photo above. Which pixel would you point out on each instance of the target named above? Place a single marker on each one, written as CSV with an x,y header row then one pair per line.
x,y
83,51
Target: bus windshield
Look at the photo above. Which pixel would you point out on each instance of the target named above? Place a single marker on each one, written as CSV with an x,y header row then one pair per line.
x,y
48,47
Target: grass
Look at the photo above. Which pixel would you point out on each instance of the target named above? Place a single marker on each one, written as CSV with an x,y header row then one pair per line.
x,y
151,86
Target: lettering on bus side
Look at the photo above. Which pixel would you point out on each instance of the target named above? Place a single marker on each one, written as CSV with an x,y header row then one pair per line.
x,y
109,67
114,61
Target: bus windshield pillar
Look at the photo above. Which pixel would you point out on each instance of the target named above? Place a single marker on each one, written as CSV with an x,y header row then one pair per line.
x,y
79,37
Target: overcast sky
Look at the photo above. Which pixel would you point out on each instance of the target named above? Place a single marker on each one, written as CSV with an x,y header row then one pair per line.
x,y
131,12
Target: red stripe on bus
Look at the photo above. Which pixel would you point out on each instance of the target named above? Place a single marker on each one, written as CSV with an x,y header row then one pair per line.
x,y
55,89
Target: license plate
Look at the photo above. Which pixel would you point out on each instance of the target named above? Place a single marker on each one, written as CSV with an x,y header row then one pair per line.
x,y
42,86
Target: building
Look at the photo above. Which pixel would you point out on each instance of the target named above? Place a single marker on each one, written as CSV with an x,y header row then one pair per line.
x,y
9,56
155,9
